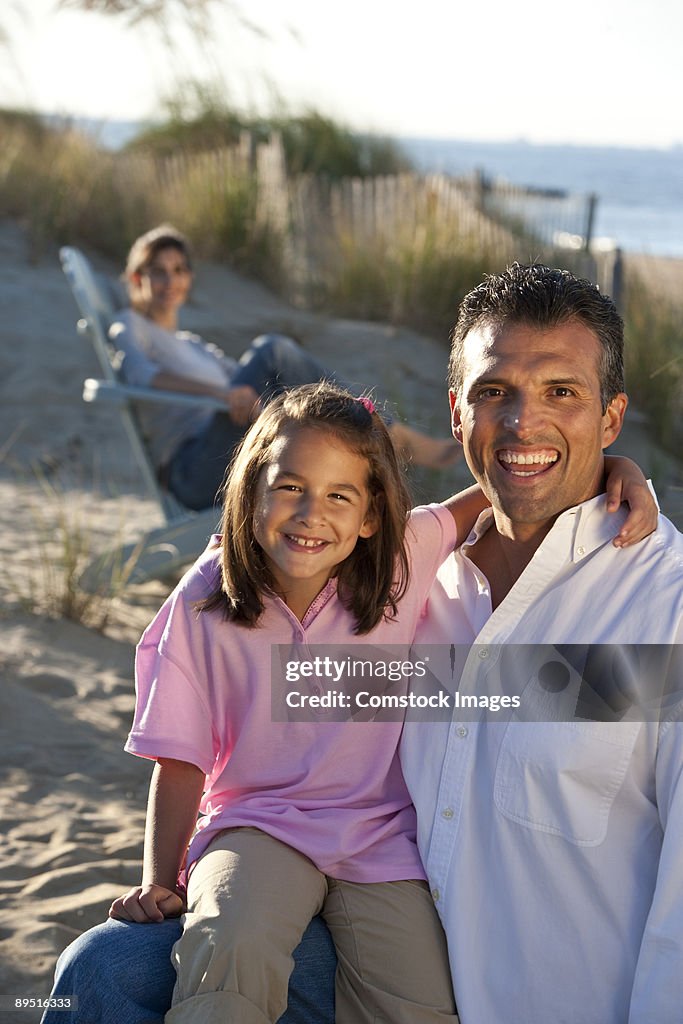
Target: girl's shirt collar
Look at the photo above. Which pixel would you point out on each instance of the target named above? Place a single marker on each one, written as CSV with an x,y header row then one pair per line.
x,y
316,606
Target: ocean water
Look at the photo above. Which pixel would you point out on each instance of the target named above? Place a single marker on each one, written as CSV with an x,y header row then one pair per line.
x,y
640,191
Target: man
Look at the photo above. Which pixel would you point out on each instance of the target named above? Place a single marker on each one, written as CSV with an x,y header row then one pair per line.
x,y
553,847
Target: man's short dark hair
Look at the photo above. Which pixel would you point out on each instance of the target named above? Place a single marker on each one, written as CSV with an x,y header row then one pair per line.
x,y
542,298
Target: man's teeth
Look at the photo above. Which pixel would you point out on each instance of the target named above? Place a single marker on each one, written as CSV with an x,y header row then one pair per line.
x,y
304,543
538,458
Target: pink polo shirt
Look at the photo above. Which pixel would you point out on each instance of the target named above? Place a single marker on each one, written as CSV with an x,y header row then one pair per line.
x,y
331,789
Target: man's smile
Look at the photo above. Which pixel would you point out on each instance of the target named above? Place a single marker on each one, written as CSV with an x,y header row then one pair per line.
x,y
527,463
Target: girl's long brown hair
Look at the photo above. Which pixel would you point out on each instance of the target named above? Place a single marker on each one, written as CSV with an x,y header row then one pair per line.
x,y
374,577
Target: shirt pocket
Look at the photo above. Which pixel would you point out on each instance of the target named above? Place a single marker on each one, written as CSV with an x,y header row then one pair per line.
x,y
562,777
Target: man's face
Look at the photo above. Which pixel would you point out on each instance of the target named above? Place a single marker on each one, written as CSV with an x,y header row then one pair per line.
x,y
530,420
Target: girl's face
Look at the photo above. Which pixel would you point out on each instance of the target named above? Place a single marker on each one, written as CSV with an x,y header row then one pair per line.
x,y
312,504
162,287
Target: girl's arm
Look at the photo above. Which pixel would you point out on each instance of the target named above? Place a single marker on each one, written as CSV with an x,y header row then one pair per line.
x,y
174,795
624,481
465,507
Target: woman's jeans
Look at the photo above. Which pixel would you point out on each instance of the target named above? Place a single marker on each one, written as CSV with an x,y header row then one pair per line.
x,y
121,973
272,363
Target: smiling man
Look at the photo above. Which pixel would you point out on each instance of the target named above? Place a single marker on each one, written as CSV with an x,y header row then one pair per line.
x,y
551,839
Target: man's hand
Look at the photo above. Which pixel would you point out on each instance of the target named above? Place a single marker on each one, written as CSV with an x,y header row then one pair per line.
x,y
243,404
147,903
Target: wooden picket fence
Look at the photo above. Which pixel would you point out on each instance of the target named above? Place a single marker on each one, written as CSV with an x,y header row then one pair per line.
x,y
319,225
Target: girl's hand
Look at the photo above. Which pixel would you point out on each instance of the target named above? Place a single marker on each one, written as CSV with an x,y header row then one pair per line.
x,y
624,481
147,903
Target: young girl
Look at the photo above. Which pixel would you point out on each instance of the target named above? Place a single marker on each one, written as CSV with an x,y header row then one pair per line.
x,y
297,817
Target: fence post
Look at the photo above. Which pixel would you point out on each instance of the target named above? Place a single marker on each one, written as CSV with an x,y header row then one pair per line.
x,y
590,220
481,187
615,287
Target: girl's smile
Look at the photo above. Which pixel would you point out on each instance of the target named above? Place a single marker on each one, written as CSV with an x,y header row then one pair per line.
x,y
310,543
312,505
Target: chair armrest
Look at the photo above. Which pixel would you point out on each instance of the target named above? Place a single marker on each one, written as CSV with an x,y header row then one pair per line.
x,y
119,394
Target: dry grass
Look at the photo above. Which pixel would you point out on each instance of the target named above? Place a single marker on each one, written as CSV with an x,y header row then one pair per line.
x,y
654,360
63,541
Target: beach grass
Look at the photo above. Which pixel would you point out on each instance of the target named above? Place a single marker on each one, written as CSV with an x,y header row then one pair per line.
x,y
64,538
654,360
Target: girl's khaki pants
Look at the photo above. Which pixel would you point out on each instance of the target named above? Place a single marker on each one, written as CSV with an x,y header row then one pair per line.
x,y
250,898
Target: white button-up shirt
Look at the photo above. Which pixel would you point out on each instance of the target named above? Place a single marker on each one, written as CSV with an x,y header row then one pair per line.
x,y
554,849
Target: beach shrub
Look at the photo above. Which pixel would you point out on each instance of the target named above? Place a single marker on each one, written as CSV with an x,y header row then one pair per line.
x,y
315,144
199,118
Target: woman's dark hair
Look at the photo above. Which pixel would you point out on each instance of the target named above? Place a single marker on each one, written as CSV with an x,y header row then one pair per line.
x,y
144,249
373,578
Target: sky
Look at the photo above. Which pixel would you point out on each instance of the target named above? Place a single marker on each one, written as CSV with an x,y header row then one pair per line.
x,y
593,72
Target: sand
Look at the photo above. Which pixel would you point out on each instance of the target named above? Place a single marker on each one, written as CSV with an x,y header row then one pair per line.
x,y
72,802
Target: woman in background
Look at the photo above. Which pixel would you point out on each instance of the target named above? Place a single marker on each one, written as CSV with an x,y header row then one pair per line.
x,y
192,446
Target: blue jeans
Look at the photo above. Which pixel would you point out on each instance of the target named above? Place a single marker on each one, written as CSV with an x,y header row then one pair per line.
x,y
121,973
272,363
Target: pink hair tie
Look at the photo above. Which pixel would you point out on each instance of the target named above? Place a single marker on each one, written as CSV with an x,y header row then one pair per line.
x,y
368,403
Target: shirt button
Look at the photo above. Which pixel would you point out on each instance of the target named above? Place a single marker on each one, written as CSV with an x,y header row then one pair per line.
x,y
483,652
581,551
447,813
435,895
461,731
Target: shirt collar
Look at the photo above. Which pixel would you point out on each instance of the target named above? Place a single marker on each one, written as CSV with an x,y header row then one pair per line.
x,y
313,610
588,526
595,526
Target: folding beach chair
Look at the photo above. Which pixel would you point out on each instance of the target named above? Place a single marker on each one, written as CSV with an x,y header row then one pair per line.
x,y
184,533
